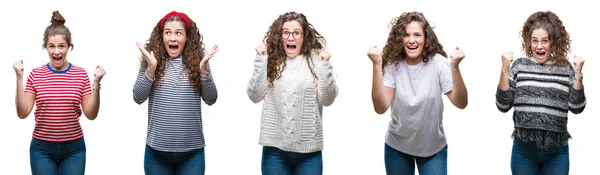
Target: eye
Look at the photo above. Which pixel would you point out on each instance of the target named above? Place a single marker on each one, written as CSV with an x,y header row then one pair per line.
x,y
545,42
296,33
168,32
286,33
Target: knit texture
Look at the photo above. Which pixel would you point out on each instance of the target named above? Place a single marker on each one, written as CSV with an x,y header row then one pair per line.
x,y
542,95
293,107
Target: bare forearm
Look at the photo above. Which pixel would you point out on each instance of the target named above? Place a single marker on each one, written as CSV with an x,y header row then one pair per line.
x,y
93,105
150,72
20,101
377,90
503,84
459,90
578,83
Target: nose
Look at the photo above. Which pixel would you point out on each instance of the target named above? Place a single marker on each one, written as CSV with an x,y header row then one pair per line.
x,y
411,40
56,51
539,45
290,38
173,38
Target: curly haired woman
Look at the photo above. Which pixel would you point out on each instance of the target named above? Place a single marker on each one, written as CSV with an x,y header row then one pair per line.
x,y
174,74
293,75
411,75
542,88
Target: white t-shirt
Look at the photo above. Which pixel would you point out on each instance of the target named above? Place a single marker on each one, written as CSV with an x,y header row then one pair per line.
x,y
416,109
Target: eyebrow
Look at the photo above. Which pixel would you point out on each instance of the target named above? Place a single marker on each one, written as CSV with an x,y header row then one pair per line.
x,y
296,29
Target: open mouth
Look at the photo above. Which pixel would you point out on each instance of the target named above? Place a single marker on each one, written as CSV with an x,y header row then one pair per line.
x,y
290,47
57,58
412,48
540,54
173,47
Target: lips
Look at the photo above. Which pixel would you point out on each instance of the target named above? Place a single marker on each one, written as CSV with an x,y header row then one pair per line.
x,y
415,47
540,54
173,47
290,47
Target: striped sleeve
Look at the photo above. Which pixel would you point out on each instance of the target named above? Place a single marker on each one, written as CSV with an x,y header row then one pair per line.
x,y
29,86
505,98
209,90
86,88
142,87
258,84
577,100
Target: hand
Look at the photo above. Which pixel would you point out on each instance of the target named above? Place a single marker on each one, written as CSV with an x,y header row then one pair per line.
x,y
207,56
577,64
98,74
375,54
456,57
18,66
150,59
507,58
261,49
324,55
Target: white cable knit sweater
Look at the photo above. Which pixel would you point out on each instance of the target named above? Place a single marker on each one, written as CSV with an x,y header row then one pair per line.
x,y
293,107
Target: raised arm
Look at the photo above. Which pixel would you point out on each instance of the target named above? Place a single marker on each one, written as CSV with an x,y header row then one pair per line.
x,y
91,102
458,95
577,100
505,91
380,94
145,79
258,84
24,101
327,88
209,89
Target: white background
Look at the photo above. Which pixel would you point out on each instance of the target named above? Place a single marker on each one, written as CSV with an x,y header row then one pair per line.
x,y
105,32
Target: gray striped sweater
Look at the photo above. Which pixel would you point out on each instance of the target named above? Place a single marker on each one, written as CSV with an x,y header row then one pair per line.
x,y
174,109
542,95
292,109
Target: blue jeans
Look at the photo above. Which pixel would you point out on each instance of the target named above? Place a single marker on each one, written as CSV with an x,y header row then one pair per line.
x,y
527,159
398,163
57,157
165,163
279,162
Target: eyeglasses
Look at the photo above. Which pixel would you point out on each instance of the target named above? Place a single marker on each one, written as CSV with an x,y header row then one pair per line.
x,y
535,42
295,34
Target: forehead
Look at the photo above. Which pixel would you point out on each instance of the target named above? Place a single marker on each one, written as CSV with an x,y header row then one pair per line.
x,y
292,25
174,25
414,27
539,33
56,39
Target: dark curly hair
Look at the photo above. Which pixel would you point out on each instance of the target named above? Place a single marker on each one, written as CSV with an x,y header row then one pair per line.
x,y
394,52
276,51
560,41
57,27
193,51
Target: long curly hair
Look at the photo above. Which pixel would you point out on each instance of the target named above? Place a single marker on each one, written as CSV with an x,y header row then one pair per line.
x,y
57,27
276,50
193,52
560,40
394,52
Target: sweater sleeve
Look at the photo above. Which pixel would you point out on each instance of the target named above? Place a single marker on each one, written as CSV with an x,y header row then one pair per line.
x,y
327,88
577,100
258,84
209,89
505,98
142,87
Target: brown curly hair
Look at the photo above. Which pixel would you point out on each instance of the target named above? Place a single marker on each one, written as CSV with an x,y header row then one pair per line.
x,y
275,49
560,41
193,51
57,27
394,52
